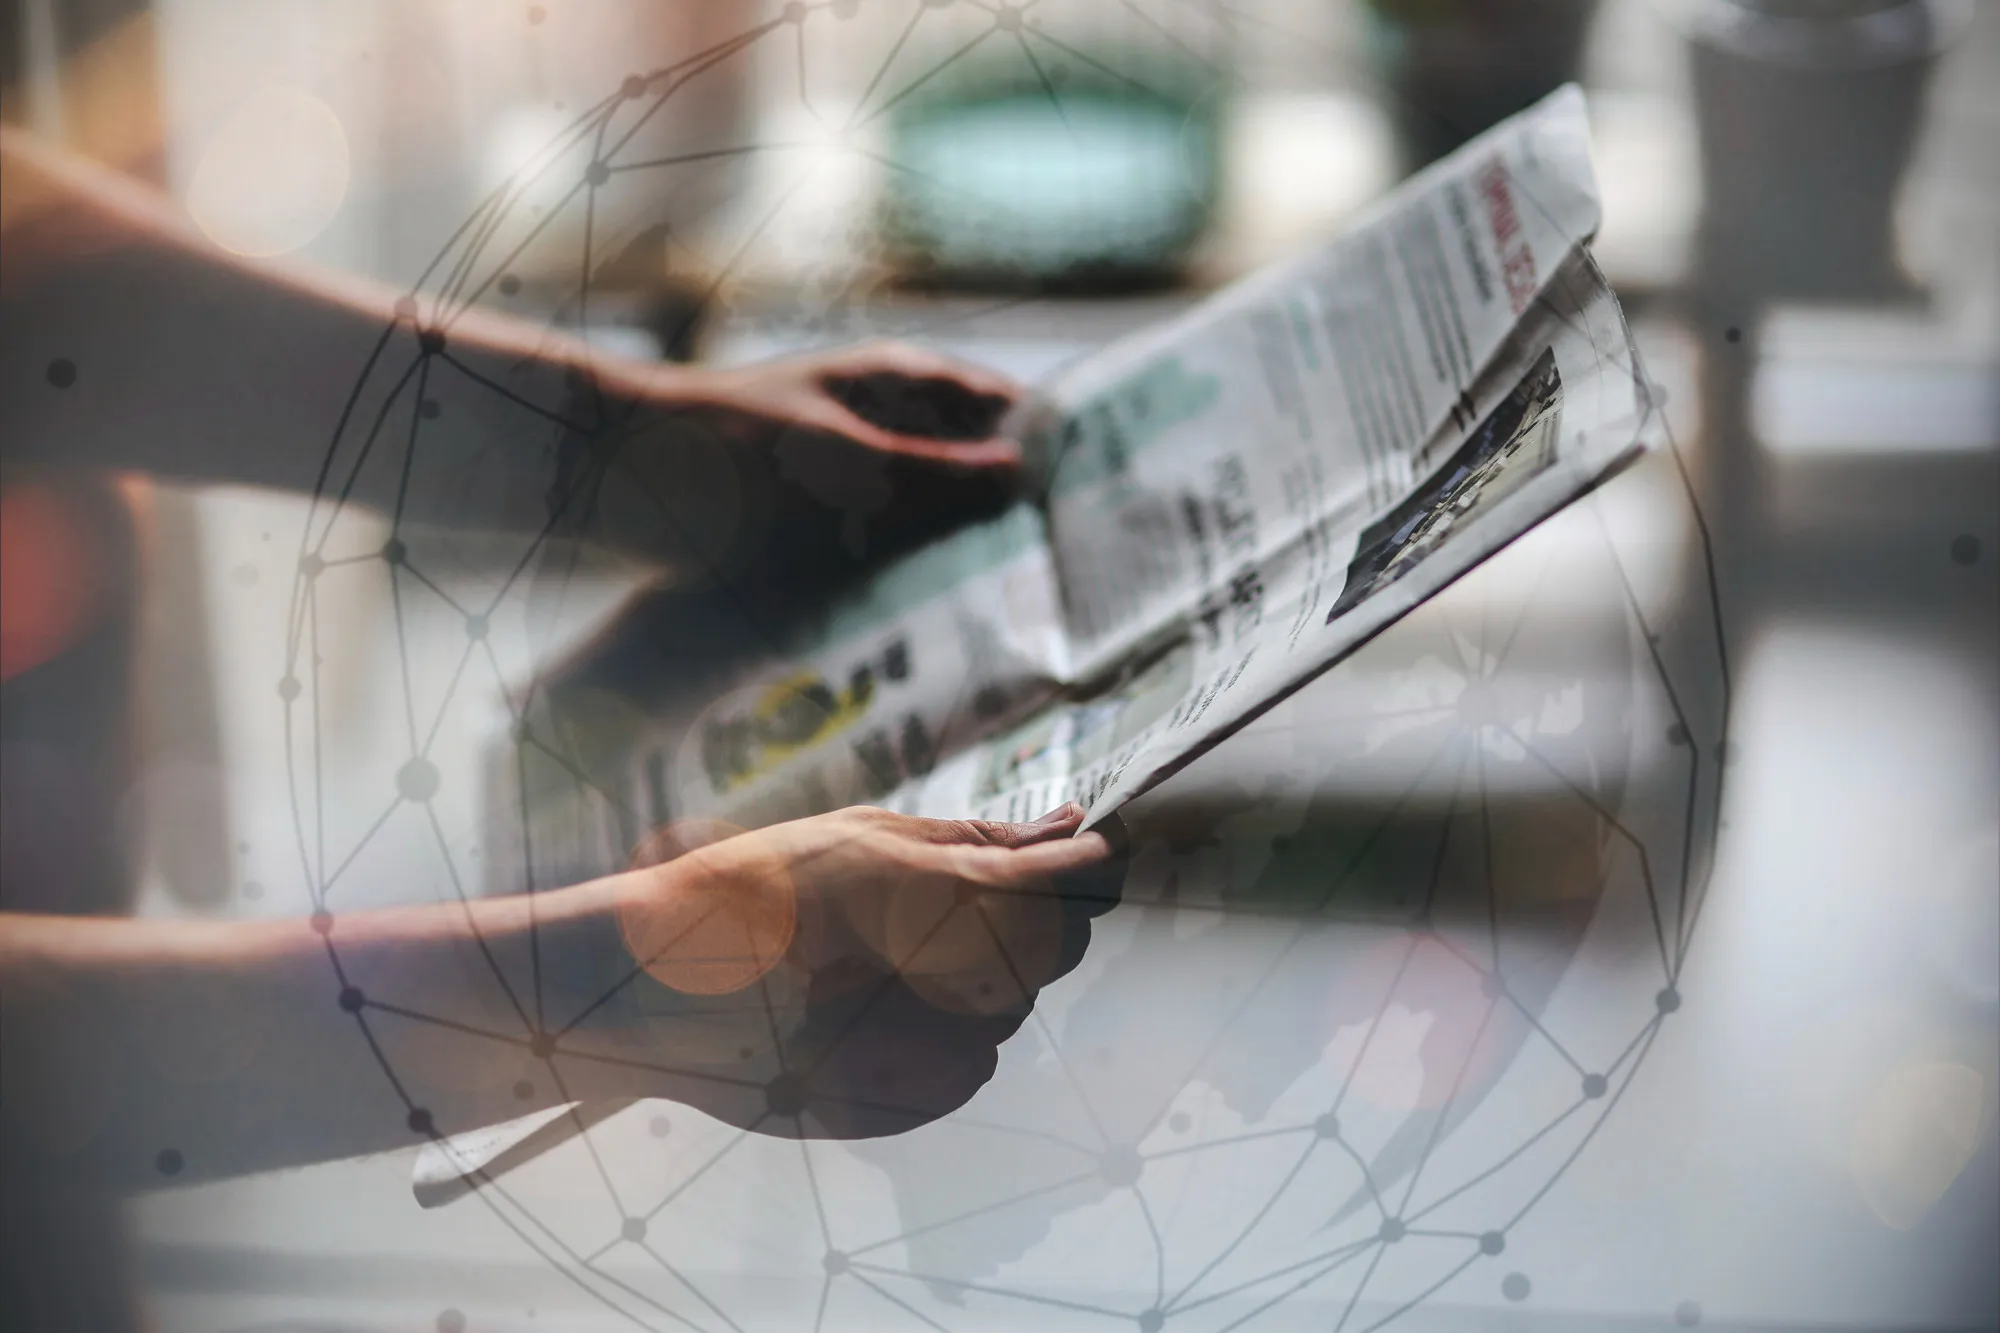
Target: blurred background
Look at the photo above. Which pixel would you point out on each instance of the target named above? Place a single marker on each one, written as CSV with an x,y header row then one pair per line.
x,y
1802,217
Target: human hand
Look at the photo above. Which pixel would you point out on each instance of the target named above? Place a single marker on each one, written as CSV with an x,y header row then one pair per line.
x,y
892,399
848,975
835,457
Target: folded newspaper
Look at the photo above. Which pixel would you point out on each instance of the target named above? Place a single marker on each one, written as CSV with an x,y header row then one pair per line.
x,y
1228,504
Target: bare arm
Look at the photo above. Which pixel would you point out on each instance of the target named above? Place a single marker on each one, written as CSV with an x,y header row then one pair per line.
x,y
131,342
152,1050
144,1051
128,341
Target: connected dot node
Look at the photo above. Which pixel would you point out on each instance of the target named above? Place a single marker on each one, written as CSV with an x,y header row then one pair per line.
x,y
634,1229
1667,1000
394,551
406,307
1007,19
1327,1126
1121,1166
288,688
633,87
786,1095
1515,1286
428,409
417,780
431,341
312,566
420,1121
1393,1230
168,1161
1593,1086
321,923
351,999
1492,1243
62,372
475,627
1492,985
1152,1321
795,12
542,1045
835,1263
1687,1314
597,173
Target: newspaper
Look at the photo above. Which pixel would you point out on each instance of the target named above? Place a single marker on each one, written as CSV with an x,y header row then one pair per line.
x,y
1228,504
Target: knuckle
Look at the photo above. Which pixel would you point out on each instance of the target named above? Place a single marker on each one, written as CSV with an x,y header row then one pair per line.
x,y
990,833
977,833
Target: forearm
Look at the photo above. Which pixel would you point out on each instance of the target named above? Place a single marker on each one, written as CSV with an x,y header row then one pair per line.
x,y
148,1049
128,341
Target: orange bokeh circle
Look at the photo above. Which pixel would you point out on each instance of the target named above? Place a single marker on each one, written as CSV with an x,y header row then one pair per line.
x,y
706,919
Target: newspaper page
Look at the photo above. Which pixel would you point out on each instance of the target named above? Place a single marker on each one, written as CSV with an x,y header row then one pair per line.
x,y
941,648
1239,499
759,723
1232,502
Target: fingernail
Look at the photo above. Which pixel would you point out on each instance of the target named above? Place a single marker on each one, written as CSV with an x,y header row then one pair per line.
x,y
1066,811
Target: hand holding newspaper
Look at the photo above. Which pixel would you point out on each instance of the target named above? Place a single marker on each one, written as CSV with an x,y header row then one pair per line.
x,y
1230,503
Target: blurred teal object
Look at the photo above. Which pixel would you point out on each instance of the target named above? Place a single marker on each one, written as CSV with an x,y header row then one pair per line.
x,y
1079,173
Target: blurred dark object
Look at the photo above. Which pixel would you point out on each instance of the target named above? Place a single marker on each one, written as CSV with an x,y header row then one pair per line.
x,y
1053,166
1452,68
66,722
1807,112
940,408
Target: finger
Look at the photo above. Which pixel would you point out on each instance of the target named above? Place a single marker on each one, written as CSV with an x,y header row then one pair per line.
x,y
994,833
1058,823
1062,854
1006,867
912,361
836,418
1061,822
928,407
